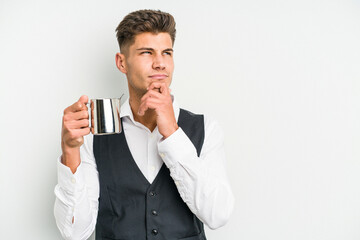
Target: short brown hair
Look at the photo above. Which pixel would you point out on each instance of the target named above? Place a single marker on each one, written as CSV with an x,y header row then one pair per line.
x,y
153,21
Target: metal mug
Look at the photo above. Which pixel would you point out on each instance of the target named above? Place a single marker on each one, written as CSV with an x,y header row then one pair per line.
x,y
105,116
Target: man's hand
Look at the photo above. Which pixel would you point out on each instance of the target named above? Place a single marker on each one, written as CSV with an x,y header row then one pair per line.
x,y
158,98
75,126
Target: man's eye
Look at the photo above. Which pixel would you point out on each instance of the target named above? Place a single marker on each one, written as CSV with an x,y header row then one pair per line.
x,y
168,53
147,52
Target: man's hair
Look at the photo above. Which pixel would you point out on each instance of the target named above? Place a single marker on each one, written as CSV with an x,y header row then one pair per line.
x,y
141,21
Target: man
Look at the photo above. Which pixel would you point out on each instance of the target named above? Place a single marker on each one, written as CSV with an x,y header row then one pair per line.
x,y
164,175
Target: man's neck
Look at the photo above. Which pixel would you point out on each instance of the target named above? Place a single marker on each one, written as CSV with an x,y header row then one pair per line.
x,y
148,119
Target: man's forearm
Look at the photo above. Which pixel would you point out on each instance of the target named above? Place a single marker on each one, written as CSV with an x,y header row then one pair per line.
x,y
71,158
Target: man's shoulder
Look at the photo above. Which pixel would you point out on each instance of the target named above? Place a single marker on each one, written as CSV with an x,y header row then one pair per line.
x,y
209,122
206,118
189,113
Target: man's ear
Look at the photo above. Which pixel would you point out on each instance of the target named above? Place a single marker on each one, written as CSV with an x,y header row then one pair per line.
x,y
120,62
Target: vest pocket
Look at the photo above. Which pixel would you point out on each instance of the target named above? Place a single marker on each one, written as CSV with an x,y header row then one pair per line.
x,y
109,199
105,205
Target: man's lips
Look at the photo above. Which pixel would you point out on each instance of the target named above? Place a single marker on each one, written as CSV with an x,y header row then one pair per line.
x,y
158,76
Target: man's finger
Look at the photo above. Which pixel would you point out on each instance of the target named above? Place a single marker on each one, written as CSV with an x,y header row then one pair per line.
x,y
78,124
151,103
70,116
156,85
162,86
164,89
151,93
82,131
78,106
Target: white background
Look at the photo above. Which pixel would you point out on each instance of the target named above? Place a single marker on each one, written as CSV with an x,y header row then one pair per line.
x,y
281,77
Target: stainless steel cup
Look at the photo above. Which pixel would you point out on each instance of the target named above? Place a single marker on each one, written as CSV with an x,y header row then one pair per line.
x,y
105,116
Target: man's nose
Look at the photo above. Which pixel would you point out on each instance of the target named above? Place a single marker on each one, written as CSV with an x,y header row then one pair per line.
x,y
159,63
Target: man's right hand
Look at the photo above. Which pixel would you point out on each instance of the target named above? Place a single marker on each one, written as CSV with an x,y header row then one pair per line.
x,y
75,126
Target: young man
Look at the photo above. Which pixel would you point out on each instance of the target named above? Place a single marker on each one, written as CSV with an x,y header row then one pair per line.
x,y
164,175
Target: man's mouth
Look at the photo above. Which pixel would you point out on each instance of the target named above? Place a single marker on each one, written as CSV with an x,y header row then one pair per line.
x,y
158,76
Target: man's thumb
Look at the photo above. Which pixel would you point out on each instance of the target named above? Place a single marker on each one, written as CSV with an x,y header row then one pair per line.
x,y
83,99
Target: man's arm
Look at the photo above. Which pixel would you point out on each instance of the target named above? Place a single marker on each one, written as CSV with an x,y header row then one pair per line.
x,y
201,181
77,191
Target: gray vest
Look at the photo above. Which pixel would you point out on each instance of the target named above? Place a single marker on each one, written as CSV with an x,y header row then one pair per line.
x,y
130,208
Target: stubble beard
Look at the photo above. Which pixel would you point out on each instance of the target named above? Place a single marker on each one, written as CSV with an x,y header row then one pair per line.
x,y
139,93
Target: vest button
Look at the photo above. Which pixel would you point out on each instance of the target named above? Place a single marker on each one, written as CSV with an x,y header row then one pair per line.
x,y
154,231
154,212
152,193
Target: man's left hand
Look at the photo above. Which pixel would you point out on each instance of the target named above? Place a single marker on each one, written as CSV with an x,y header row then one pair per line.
x,y
158,98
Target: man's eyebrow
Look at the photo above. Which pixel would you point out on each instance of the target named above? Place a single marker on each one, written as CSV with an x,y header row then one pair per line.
x,y
151,49
145,48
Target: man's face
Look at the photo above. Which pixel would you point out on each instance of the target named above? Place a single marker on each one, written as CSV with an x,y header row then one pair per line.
x,y
148,59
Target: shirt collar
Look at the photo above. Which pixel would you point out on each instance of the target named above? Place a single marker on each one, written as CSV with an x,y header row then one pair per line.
x,y
125,110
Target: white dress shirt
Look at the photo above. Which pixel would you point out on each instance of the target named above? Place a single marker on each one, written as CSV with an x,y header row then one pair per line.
x,y
201,181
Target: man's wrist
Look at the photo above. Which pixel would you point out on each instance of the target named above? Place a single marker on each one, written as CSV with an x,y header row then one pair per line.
x,y
171,131
69,153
